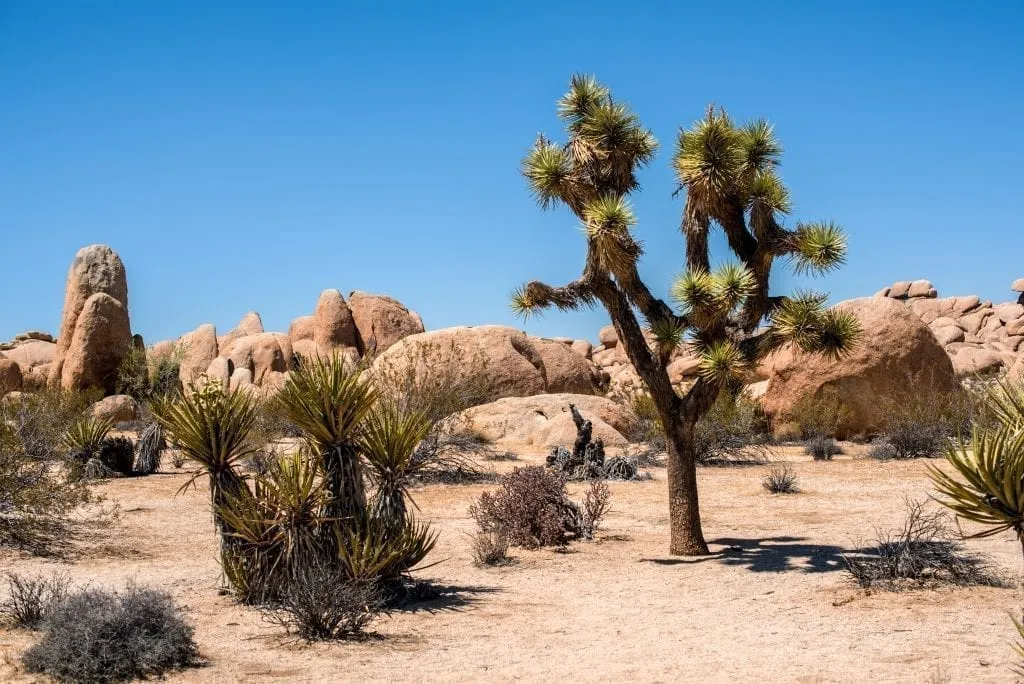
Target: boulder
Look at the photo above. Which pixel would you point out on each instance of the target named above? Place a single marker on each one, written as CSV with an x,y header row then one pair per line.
x,y
962,305
381,321
493,361
921,288
34,379
301,329
544,420
261,354
948,334
242,377
897,353
32,354
117,408
101,339
1008,312
1017,285
311,350
198,349
566,371
970,361
10,377
683,368
583,348
96,270
251,324
34,335
607,336
899,289
332,322
1016,372
221,369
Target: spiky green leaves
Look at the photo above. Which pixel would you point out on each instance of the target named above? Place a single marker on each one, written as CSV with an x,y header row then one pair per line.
x,y
585,94
707,298
607,221
760,149
708,160
667,333
767,191
389,440
534,297
547,169
818,247
722,361
328,402
805,322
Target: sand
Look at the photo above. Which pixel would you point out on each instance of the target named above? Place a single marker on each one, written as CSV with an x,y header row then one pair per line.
x,y
773,603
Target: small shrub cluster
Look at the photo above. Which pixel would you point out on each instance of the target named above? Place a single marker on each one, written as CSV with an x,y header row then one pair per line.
x,y
102,636
93,453
780,480
821,415
822,448
144,378
924,551
532,507
490,547
30,599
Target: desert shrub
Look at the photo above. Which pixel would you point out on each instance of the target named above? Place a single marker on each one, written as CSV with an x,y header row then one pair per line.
x,y
30,599
36,501
118,454
595,505
143,379
882,451
920,424
821,448
320,602
924,551
821,415
733,431
103,636
93,454
532,507
780,480
490,547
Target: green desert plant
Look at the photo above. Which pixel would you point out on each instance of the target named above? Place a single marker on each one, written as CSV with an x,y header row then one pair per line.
x,y
780,480
728,173
991,467
211,427
329,402
379,550
822,448
388,443
86,435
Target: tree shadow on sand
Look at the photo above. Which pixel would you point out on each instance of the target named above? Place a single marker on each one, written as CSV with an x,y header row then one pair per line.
x,y
771,554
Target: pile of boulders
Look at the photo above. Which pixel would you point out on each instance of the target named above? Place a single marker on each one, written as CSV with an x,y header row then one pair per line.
x,y
980,337
623,381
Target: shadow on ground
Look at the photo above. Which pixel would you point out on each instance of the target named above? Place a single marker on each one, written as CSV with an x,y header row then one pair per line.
x,y
435,598
772,554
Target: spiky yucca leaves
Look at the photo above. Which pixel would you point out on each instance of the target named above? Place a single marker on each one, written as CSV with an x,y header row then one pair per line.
x,y
1006,404
991,492
388,443
279,526
708,299
376,549
804,321
818,247
709,161
211,427
329,401
86,435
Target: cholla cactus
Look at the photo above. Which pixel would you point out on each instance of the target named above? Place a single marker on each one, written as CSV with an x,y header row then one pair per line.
x,y
728,174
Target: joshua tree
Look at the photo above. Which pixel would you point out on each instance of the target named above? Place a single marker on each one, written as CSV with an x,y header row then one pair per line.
x,y
728,174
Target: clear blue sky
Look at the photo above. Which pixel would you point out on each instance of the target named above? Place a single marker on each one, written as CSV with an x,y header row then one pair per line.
x,y
242,158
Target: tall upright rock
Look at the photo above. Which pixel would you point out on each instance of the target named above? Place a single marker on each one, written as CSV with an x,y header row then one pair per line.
x,y
381,321
95,330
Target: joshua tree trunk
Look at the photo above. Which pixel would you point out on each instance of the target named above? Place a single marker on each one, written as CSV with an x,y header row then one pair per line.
x,y
345,484
687,538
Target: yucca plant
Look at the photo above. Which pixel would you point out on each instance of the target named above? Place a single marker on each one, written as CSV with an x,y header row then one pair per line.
x,y
379,550
86,435
329,401
728,173
991,465
389,443
211,427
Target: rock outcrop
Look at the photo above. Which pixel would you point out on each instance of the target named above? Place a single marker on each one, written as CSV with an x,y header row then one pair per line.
x,y
544,420
333,325
198,349
10,377
117,408
95,331
381,321
897,354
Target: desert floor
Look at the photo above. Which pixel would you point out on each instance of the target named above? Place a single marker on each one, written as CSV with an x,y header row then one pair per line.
x,y
773,603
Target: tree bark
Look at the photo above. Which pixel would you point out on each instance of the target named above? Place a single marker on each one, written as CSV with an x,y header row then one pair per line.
x,y
687,537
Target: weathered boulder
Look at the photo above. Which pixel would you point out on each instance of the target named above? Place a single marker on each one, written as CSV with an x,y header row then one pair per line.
x,y
34,335
309,349
10,377
96,294
607,336
381,321
968,361
221,369
198,349
491,361
301,328
101,339
544,419
898,353
683,368
1016,372
251,324
948,334
333,325
241,377
261,354
1017,285
117,408
583,348
32,354
566,371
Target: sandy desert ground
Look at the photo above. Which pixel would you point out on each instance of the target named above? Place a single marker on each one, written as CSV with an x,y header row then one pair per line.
x,y
772,604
